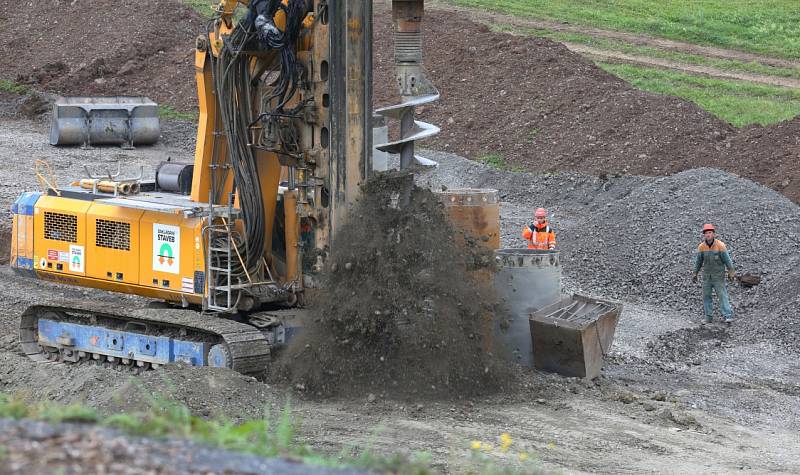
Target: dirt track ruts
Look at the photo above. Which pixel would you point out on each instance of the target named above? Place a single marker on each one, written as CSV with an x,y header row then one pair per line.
x,y
632,38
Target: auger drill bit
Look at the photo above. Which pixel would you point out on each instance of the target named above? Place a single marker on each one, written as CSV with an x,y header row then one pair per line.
x,y
414,87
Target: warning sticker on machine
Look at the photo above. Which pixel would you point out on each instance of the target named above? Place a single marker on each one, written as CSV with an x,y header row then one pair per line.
x,y
187,285
58,256
166,248
76,258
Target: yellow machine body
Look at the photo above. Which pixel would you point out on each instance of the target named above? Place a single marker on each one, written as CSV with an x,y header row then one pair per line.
x,y
283,144
118,248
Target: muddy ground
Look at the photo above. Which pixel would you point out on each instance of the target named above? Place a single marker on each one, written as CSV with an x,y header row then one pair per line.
x,y
673,397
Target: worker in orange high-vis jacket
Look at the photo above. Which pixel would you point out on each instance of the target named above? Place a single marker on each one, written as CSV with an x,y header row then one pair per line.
x,y
539,234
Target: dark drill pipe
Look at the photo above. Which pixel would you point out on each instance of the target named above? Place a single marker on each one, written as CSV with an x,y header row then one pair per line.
x,y
407,16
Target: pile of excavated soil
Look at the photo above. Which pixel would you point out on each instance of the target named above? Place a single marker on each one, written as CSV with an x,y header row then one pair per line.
x,y
400,313
537,104
103,47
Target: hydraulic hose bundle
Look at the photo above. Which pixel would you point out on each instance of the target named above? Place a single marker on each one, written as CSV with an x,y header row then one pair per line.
x,y
236,92
270,37
232,83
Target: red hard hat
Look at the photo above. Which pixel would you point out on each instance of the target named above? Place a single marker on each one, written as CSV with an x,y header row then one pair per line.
x,y
709,227
540,213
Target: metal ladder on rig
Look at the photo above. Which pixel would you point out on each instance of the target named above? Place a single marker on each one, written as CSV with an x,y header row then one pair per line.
x,y
219,278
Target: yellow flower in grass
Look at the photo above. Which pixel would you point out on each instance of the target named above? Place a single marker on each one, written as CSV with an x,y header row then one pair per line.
x,y
505,442
487,448
523,456
475,445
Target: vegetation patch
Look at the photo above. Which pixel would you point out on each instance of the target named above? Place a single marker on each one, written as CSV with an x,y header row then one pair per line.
x,y
495,160
736,102
270,436
13,87
169,112
731,65
203,7
770,27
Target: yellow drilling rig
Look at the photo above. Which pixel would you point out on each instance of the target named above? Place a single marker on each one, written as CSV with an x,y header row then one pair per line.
x,y
284,140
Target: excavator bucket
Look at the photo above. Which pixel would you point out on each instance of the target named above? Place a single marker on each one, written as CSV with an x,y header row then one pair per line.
x,y
117,120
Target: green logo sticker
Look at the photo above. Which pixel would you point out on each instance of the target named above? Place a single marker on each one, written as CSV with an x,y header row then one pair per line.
x,y
166,248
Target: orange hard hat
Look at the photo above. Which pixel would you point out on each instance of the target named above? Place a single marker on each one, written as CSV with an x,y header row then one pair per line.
x,y
709,227
540,213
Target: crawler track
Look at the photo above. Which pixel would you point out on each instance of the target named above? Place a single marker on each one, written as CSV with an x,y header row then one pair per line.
x,y
245,348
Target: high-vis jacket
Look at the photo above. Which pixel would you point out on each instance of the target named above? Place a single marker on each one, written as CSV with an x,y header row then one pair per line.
x,y
714,259
540,237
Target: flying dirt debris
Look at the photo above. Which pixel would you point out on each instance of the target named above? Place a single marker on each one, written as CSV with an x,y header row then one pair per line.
x,y
283,144
404,310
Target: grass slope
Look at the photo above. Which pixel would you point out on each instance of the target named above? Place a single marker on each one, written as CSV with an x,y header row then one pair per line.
x,y
732,65
770,27
737,102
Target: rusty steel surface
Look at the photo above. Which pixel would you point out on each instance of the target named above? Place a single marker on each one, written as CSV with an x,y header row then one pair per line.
x,y
475,213
573,336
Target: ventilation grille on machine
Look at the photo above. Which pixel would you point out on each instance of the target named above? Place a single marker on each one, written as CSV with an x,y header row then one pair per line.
x,y
113,235
60,227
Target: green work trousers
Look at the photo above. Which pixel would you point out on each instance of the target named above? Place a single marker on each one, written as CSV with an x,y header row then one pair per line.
x,y
717,284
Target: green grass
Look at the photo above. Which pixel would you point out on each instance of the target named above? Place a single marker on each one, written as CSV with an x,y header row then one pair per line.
x,y
770,27
533,133
12,87
495,160
164,417
736,102
169,112
268,436
731,65
203,7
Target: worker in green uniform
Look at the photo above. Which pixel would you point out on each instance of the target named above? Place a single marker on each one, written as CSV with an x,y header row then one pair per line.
x,y
713,258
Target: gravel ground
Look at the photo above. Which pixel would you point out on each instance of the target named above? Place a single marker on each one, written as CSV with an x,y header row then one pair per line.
x,y
672,397
633,239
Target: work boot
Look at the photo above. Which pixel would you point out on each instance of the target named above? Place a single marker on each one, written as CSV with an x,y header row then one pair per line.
x,y
728,321
707,321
